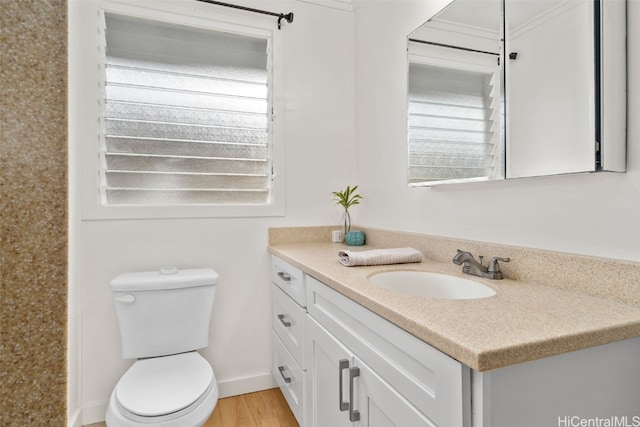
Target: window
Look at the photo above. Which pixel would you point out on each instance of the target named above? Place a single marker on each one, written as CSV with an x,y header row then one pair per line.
x,y
453,116
185,115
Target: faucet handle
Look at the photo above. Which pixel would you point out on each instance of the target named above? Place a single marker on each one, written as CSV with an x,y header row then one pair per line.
x,y
494,267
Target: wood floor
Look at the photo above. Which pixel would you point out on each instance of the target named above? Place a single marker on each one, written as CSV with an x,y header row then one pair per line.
x,y
260,409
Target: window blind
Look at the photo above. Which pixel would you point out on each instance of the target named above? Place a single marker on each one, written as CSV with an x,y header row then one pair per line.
x,y
452,123
185,118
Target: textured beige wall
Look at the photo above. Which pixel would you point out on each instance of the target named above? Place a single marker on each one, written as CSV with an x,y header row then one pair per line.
x,y
33,206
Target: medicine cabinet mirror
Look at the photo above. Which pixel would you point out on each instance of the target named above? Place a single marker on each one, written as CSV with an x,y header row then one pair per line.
x,y
502,89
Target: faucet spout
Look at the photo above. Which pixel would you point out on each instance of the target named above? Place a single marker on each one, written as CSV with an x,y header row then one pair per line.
x,y
471,266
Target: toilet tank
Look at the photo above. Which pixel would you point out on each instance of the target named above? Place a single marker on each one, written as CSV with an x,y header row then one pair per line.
x,y
164,312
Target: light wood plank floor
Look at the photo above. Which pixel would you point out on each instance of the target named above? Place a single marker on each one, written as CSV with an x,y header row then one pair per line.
x,y
260,409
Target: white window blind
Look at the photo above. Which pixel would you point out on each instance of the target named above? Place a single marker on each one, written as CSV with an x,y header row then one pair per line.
x,y
185,118
453,127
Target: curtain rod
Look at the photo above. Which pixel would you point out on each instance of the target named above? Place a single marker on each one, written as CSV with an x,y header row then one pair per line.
x,y
453,47
288,17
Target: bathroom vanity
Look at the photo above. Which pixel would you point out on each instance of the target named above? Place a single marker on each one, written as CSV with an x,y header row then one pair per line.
x,y
349,353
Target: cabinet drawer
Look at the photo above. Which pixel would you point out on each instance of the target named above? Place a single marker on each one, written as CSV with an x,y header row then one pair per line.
x,y
288,376
289,278
436,384
288,323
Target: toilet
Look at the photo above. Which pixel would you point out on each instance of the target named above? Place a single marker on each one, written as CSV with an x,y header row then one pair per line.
x,y
164,319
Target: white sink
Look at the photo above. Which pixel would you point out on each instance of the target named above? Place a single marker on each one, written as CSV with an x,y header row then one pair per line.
x,y
431,285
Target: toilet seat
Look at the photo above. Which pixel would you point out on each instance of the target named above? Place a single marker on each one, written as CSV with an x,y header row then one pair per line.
x,y
164,385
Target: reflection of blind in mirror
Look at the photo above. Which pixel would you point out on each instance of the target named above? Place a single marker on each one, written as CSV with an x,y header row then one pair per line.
x,y
185,115
452,119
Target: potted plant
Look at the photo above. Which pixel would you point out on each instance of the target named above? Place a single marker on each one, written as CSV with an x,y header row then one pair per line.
x,y
346,199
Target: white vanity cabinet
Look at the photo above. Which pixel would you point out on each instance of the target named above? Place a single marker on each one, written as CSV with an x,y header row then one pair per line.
x,y
340,364
288,331
365,371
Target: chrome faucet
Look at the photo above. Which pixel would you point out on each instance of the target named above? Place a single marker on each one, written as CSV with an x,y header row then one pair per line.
x,y
475,268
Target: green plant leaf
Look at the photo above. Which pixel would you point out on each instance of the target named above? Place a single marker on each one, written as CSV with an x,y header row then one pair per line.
x,y
348,197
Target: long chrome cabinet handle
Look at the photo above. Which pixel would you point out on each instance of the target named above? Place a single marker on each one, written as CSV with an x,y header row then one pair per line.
x,y
342,365
285,378
284,322
284,276
354,415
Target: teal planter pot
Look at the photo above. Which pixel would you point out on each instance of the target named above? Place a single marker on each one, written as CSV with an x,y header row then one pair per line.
x,y
354,238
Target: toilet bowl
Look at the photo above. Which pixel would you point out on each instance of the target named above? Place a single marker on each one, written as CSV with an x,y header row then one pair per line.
x,y
169,391
164,318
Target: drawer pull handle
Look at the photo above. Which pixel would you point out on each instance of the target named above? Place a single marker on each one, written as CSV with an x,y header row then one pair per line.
x,y
285,323
342,365
284,276
284,377
354,414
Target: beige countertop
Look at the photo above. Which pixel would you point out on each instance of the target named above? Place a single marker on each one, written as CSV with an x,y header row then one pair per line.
x,y
522,322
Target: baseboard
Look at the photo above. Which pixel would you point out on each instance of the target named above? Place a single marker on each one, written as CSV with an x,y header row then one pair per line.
x,y
246,385
74,419
94,413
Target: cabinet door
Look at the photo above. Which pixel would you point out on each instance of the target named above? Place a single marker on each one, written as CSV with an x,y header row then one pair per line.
x,y
328,364
428,379
379,405
337,378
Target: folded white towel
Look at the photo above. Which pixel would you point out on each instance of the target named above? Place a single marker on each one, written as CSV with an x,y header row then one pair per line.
x,y
379,256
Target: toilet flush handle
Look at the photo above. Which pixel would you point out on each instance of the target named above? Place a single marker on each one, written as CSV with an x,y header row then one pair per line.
x,y
126,299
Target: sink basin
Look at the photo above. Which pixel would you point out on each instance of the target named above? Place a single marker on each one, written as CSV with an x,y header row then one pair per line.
x,y
431,285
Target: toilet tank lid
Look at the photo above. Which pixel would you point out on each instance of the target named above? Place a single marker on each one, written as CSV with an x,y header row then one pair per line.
x,y
165,278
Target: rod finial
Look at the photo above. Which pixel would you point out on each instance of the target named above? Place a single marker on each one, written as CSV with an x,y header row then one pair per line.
x,y
288,17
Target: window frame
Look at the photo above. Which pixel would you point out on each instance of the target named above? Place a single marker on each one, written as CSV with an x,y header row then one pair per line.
x,y
208,17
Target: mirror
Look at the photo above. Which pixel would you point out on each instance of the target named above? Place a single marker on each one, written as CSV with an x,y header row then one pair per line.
x,y
455,95
508,89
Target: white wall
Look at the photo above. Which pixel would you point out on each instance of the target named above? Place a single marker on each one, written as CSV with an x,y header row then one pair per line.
x,y
319,134
593,214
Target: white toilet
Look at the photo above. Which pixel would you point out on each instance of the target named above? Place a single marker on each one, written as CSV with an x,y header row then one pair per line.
x,y
164,318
